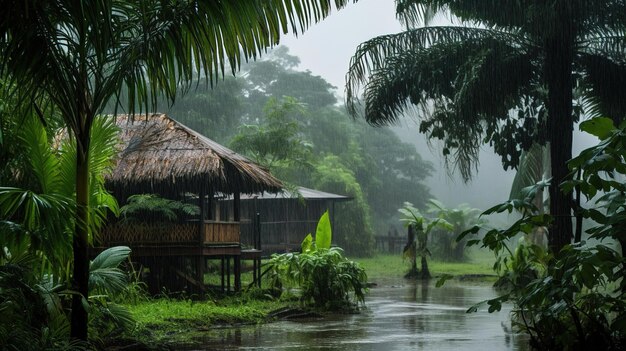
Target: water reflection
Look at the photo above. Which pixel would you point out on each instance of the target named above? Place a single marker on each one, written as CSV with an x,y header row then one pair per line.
x,y
401,316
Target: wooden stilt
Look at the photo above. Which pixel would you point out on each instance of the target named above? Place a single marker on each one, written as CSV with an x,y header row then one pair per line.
x,y
200,268
237,268
228,273
258,271
222,272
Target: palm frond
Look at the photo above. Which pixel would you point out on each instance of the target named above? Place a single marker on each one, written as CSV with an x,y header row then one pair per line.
x,y
372,55
460,102
534,167
43,163
493,13
605,80
104,274
414,14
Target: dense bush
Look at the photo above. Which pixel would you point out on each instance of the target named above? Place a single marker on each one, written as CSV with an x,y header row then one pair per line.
x,y
575,298
325,278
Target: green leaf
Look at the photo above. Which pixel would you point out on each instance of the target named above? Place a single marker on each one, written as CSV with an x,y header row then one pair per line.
x,y
442,280
323,233
307,243
599,126
110,258
494,305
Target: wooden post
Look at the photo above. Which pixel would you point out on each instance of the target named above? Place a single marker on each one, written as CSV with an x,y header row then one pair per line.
x,y
227,273
236,206
222,273
202,205
257,231
237,258
210,215
237,269
257,261
200,272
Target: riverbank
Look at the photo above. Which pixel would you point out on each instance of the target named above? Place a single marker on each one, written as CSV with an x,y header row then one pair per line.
x,y
479,265
164,322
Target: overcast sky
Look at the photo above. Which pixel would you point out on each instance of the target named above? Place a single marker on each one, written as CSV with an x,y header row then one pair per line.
x,y
326,48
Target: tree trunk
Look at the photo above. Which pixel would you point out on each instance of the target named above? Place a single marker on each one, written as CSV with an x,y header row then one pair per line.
x,y
412,246
80,278
425,272
558,75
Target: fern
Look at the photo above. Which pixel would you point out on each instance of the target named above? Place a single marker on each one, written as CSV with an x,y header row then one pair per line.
x,y
142,207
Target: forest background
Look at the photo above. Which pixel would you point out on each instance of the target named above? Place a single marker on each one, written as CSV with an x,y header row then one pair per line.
x,y
293,122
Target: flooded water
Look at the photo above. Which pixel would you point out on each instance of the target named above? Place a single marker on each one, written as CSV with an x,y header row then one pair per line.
x,y
400,315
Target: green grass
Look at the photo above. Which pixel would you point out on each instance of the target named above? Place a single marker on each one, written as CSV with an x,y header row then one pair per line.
x,y
177,321
385,266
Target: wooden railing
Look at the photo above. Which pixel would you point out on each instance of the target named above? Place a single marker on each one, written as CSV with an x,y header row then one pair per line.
x,y
221,232
159,233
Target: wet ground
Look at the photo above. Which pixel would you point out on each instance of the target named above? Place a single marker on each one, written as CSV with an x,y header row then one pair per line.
x,y
400,315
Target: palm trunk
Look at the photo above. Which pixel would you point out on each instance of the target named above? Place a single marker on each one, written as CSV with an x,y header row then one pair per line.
x,y
425,274
558,75
80,245
411,245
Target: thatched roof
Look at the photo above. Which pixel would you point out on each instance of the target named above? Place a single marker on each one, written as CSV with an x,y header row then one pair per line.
x,y
160,155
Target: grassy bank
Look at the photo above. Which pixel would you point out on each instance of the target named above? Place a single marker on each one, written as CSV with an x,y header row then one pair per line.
x,y
385,266
174,321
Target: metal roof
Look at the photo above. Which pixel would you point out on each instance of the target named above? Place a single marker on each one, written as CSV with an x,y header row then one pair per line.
x,y
304,193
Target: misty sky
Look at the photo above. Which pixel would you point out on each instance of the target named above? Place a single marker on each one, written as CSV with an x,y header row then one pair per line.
x,y
325,50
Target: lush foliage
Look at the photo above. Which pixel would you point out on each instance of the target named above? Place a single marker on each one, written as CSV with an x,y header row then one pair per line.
x,y
461,218
276,142
577,297
326,279
151,207
35,235
558,56
39,219
35,307
417,244
302,135
77,57
353,231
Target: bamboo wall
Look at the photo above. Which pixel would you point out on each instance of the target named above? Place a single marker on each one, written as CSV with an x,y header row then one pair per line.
x,y
159,233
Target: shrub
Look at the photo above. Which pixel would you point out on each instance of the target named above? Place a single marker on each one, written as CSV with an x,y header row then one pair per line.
x,y
325,278
576,298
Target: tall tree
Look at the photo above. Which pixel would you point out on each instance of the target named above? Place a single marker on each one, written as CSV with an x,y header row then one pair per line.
x,y
505,78
78,55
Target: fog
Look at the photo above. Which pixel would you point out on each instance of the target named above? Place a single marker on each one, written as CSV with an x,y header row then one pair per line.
x,y
326,49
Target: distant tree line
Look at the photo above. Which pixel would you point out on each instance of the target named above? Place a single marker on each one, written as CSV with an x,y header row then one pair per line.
x,y
290,121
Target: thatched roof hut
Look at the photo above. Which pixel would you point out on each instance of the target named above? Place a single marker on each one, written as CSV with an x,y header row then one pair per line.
x,y
160,155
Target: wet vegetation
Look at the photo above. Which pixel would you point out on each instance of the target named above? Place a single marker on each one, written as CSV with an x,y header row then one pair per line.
x,y
290,122
574,298
324,277
63,67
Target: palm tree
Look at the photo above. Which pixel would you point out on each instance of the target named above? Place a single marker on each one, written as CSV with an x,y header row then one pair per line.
x,y
507,79
462,217
79,55
534,167
420,228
